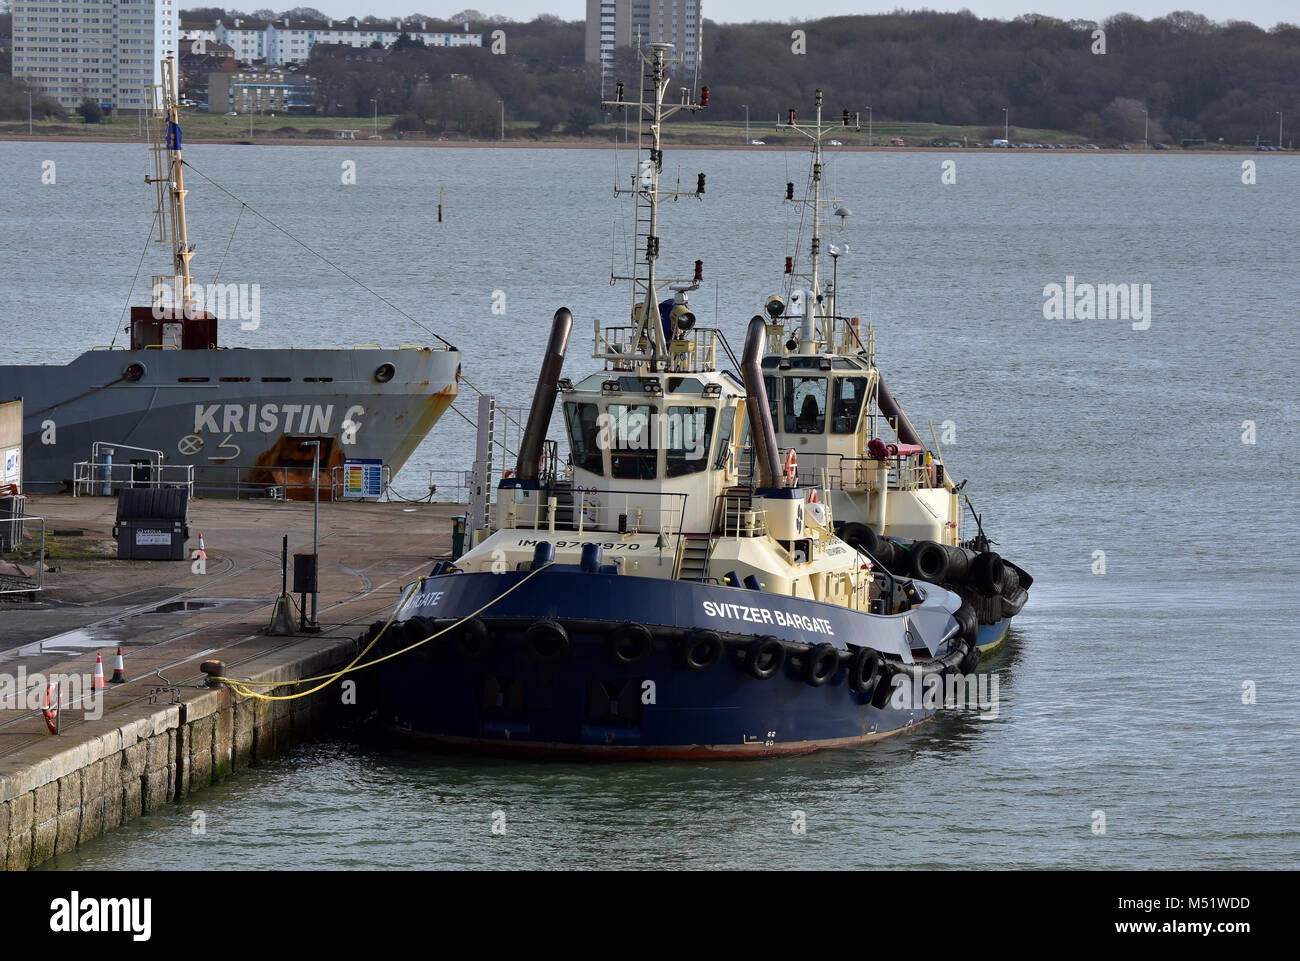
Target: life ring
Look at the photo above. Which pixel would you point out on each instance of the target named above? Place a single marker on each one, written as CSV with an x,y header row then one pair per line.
x,y
765,657
547,641
507,475
591,505
51,707
630,644
820,664
702,650
864,670
791,467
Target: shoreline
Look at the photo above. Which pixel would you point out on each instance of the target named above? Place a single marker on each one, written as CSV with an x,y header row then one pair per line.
x,y
606,145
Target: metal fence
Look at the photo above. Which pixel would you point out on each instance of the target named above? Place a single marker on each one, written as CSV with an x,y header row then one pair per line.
x,y
20,537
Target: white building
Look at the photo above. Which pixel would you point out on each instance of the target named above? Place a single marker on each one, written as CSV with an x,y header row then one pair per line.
x,y
283,41
106,50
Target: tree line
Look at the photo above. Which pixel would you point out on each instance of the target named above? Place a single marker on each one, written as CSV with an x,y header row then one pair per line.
x,y
1184,76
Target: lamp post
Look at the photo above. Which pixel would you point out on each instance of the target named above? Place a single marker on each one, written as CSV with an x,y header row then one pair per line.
x,y
314,627
1146,128
29,113
746,106
1279,127
502,104
375,104
1006,126
871,140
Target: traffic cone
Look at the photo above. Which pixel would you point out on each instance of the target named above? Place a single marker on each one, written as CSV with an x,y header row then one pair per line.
x,y
201,552
99,672
119,670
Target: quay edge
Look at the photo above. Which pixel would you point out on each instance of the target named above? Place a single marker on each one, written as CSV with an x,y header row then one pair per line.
x,y
60,792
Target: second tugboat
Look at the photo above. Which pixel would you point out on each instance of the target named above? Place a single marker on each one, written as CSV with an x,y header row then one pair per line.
x,y
890,494
651,602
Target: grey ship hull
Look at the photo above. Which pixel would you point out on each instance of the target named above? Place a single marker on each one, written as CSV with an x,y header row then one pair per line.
x,y
234,414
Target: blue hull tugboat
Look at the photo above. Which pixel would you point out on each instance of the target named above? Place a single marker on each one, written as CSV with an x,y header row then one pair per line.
x,y
650,600
889,491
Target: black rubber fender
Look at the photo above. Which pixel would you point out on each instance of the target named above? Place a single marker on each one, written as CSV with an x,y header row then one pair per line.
x,y
702,650
1011,606
864,670
861,536
416,629
764,657
630,643
885,684
820,664
473,638
971,660
547,641
969,621
986,573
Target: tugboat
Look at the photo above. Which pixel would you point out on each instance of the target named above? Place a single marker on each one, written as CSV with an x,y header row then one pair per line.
x,y
647,600
237,417
889,492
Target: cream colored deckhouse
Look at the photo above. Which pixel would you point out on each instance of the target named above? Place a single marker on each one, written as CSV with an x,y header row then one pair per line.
x,y
108,52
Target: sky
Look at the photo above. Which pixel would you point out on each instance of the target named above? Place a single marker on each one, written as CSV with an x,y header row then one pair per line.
x,y
1266,13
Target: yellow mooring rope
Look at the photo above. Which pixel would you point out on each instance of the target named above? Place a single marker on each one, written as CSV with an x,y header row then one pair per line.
x,y
242,688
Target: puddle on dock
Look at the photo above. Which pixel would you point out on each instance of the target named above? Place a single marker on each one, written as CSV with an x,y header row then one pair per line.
x,y
124,630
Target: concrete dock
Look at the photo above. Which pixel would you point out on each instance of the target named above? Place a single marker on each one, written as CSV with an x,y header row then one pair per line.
x,y
164,733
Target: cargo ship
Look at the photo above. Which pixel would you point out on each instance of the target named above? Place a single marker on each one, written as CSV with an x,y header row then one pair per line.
x,y
174,405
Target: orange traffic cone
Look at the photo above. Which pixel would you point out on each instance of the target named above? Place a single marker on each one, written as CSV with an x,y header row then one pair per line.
x,y
119,670
201,552
99,672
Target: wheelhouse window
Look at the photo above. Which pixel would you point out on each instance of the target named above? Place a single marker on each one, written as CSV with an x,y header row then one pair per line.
x,y
690,430
633,444
583,424
850,392
725,431
805,405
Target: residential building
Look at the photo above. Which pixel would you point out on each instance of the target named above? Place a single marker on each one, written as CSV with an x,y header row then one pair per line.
x,y
108,51
258,91
623,23
281,42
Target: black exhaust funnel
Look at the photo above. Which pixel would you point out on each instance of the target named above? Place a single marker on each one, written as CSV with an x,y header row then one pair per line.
x,y
539,415
766,456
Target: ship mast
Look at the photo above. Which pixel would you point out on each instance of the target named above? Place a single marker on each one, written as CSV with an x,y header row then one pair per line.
x,y
822,307
651,112
169,187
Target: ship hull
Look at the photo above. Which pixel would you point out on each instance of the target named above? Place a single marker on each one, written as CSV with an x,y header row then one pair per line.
x,y
498,696
236,416
991,636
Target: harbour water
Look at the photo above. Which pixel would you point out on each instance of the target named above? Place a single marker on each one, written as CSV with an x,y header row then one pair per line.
x,y
1108,461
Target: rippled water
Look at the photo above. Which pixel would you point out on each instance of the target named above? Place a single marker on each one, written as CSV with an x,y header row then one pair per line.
x,y
1120,692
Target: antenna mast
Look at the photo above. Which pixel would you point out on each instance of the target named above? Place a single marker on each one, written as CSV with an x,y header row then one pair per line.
x,y
651,113
822,307
169,186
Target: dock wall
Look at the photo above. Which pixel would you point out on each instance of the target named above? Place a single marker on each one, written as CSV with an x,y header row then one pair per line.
x,y
141,756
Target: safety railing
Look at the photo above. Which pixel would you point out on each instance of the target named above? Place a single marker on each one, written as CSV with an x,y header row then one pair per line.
x,y
106,478
906,472
20,548
448,486
604,510
694,349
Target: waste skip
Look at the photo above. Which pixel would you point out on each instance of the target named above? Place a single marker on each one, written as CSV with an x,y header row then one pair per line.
x,y
152,524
